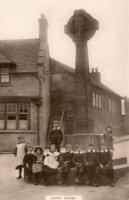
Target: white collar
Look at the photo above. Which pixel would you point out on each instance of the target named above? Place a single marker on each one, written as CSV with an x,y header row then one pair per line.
x,y
104,150
91,151
76,152
29,152
56,128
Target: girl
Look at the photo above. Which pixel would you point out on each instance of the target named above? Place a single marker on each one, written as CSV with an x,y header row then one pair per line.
x,y
50,167
37,164
20,150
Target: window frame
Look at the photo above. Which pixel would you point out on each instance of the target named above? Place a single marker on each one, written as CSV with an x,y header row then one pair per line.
x,y
6,114
97,100
28,116
4,74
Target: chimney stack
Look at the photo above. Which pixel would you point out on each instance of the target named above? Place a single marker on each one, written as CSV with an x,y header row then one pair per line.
x,y
43,24
95,75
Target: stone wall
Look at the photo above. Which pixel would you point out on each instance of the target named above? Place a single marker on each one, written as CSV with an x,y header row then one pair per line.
x,y
21,85
103,117
9,139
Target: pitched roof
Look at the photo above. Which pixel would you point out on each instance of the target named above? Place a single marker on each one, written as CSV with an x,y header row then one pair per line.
x,y
4,59
56,66
104,87
23,52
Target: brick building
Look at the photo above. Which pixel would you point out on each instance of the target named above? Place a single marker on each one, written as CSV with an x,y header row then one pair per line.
x,y
35,90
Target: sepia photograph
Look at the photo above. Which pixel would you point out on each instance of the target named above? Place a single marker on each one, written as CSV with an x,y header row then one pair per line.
x,y
64,99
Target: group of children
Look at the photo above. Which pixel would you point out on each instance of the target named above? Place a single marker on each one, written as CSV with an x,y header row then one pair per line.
x,y
52,166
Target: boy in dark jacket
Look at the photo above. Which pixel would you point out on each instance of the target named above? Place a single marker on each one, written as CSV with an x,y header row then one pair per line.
x,y
28,161
105,165
66,162
78,162
56,135
90,163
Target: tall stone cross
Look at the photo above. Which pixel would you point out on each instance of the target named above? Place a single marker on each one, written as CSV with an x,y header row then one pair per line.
x,y
81,27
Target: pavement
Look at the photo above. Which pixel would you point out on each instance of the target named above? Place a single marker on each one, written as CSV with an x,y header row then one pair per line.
x,y
13,189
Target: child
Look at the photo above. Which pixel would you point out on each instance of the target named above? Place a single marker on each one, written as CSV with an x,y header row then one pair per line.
x,y
37,164
105,166
90,160
108,138
66,162
51,164
56,135
78,162
28,161
19,152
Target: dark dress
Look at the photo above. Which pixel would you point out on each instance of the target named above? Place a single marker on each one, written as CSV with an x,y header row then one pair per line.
x,y
108,140
37,168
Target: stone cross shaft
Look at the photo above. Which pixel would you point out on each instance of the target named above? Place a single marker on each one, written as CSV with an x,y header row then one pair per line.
x,y
81,27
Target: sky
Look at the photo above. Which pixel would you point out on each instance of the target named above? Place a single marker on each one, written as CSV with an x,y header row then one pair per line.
x,y
108,49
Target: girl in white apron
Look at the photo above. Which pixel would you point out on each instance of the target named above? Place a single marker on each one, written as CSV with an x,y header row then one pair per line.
x,y
20,150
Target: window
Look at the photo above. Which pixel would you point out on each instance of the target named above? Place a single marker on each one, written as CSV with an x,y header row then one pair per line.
x,y
97,100
93,100
2,115
11,116
123,106
23,116
14,116
69,111
100,102
112,105
4,75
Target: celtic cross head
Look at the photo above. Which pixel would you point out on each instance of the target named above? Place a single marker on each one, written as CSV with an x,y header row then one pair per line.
x,y
81,26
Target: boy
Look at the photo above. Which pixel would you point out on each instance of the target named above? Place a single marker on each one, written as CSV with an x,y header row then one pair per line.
x,y
78,162
105,165
90,164
28,162
56,135
66,162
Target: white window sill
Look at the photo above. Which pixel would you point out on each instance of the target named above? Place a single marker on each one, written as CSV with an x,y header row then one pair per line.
x,y
17,131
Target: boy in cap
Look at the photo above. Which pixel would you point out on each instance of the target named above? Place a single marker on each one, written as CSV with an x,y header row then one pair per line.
x,y
56,135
